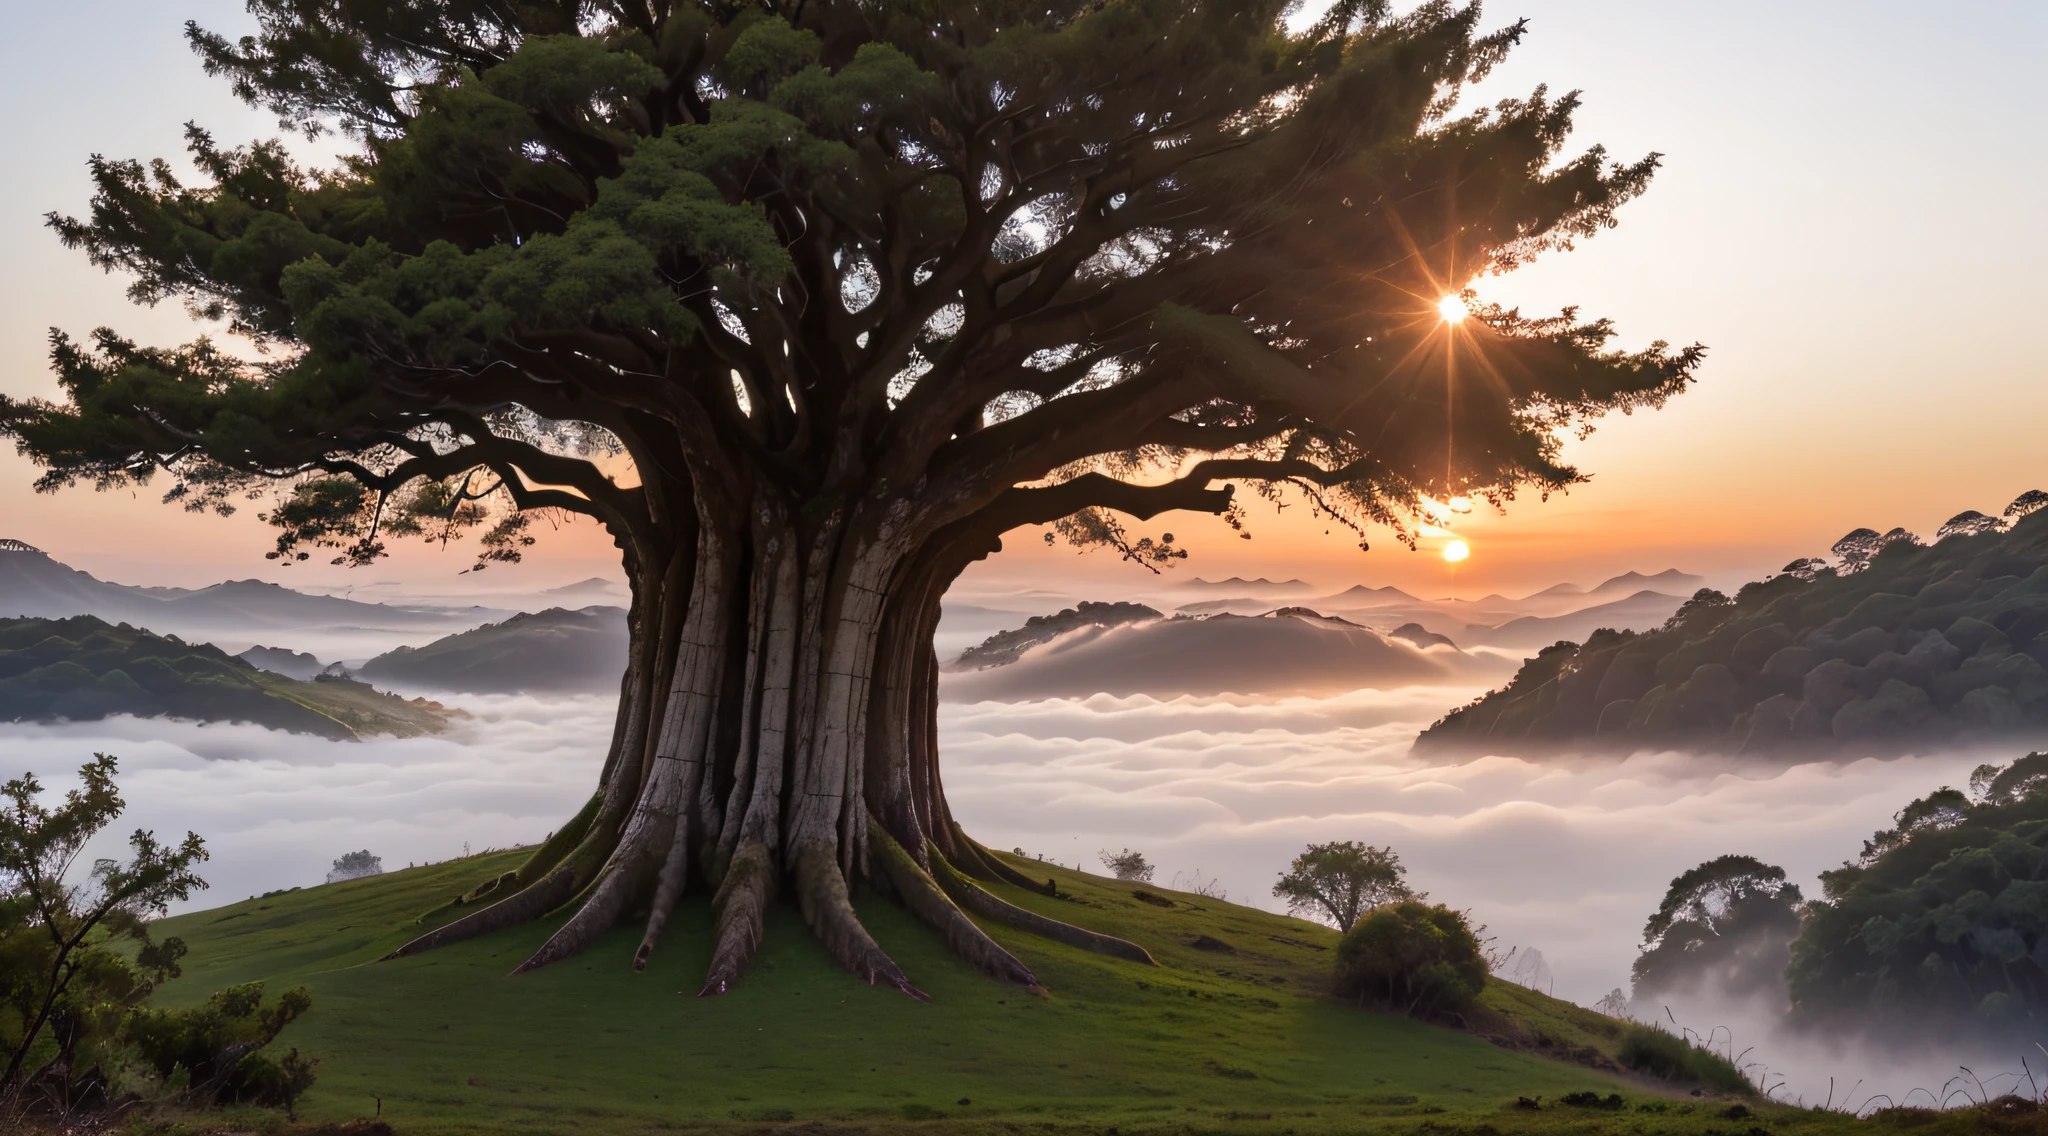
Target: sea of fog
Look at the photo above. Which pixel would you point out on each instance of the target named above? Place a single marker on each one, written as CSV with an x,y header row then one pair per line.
x,y
1564,856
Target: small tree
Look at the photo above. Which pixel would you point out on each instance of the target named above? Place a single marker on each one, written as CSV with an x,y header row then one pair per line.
x,y
1855,549
1804,568
1128,865
51,931
1336,883
1969,522
354,866
1705,610
2026,504
1728,922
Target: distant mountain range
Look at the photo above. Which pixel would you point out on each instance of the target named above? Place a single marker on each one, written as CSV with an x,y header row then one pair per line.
x,y
555,651
83,668
1359,595
594,588
1238,585
34,585
1118,649
1639,612
1630,601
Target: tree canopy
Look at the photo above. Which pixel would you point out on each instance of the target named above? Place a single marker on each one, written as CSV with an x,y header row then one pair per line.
x,y
1724,925
1340,881
808,303
1943,919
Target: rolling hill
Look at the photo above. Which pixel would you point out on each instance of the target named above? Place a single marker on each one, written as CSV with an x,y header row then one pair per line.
x,y
1230,1033
1639,612
552,651
1121,652
84,669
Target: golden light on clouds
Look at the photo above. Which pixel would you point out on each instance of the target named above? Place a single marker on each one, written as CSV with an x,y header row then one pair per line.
x,y
1461,504
1457,550
1452,308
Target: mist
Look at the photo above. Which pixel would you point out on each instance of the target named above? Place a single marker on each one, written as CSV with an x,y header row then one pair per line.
x,y
1565,856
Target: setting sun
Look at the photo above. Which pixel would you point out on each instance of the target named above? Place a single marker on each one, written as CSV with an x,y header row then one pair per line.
x,y
1452,308
1457,550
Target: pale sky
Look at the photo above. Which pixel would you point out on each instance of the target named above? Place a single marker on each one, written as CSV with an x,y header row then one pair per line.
x,y
1848,218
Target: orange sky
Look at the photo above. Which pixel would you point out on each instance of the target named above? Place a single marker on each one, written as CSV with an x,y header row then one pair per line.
x,y
1845,218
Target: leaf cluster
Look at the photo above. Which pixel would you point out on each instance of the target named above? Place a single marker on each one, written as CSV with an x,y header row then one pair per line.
x,y
1338,882
855,249
1724,925
1412,957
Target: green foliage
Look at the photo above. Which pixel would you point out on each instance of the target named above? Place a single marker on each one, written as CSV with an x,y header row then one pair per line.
x,y
1725,924
84,669
1339,881
65,988
1413,958
1648,1049
1904,645
1943,920
890,247
213,1048
1128,865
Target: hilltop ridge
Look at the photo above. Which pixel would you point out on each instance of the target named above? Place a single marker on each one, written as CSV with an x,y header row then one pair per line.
x,y
1910,647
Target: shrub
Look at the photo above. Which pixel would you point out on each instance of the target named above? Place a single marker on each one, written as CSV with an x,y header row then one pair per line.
x,y
355,866
1128,865
1647,1049
216,1045
1414,957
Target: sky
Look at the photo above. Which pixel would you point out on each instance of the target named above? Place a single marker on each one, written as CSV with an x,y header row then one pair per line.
x,y
1847,217
1844,217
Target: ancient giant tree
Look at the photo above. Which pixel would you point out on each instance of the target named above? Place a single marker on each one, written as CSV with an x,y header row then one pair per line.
x,y
807,303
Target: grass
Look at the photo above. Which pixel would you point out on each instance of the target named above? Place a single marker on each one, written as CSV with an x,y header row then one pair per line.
x,y
1209,1041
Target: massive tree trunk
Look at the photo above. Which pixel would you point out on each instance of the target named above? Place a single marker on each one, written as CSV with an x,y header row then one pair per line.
x,y
776,737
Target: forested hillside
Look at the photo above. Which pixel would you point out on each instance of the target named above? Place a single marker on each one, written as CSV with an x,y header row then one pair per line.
x,y
1893,647
84,668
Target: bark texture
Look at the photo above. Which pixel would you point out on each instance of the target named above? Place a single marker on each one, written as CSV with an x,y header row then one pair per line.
x,y
777,736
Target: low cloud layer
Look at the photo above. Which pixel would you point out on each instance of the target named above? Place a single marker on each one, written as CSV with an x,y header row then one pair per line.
x,y
1567,856
277,808
1279,654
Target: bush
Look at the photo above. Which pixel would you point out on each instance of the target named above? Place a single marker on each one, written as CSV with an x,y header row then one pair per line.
x,y
1417,958
215,1047
355,866
1647,1049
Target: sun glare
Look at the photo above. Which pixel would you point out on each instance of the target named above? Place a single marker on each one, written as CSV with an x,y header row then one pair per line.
x,y
1452,308
1457,550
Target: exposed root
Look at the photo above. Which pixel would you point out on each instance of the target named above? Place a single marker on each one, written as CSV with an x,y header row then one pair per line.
x,y
667,889
968,895
618,884
532,903
742,898
925,900
821,893
982,864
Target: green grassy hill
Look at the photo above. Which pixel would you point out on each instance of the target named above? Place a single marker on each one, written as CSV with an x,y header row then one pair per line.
x,y
1212,1040
84,668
